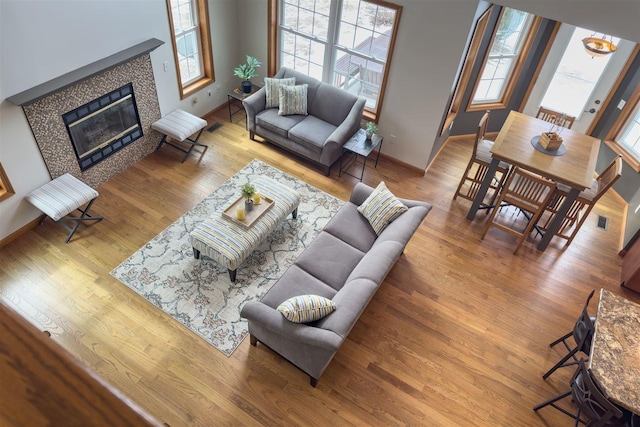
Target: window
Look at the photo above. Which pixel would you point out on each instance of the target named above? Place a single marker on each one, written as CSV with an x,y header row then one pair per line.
x,y
6,190
630,135
347,43
624,136
575,78
510,45
189,22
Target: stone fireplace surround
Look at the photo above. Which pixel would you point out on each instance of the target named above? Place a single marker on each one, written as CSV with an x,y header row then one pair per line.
x,y
45,119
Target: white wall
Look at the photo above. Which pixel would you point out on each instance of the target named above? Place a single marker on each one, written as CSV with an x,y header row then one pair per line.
x,y
43,39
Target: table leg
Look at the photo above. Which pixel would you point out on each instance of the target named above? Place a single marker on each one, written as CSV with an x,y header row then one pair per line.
x,y
557,219
229,106
482,191
364,164
379,149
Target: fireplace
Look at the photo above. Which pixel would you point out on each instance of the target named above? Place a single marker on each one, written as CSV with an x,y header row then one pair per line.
x,y
103,126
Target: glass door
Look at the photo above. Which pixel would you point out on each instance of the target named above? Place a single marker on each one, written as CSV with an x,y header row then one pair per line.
x,y
574,82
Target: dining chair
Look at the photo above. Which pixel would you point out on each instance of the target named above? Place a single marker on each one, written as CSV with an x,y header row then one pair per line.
x,y
590,401
528,193
481,158
582,335
581,207
561,119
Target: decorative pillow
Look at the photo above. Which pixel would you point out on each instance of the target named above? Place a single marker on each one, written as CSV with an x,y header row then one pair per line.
x,y
381,208
306,308
293,100
272,87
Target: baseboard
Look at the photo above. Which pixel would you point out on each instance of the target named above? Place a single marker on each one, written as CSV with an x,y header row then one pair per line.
x,y
412,168
19,232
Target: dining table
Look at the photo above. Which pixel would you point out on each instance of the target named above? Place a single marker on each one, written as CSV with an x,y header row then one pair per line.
x,y
517,144
614,360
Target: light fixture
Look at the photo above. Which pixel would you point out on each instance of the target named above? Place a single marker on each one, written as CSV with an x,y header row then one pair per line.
x,y
596,46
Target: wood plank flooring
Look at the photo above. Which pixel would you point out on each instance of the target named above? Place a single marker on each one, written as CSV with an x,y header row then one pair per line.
x,y
457,335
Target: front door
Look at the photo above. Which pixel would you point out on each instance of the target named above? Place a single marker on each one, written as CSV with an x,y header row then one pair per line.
x,y
572,81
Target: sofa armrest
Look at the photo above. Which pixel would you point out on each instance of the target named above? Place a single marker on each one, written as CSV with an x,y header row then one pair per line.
x,y
253,104
349,125
273,320
360,193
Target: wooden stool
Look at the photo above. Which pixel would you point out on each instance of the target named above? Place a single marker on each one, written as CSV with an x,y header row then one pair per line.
x,y
61,196
180,125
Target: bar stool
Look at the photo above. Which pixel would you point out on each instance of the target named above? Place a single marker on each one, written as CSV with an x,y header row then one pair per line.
x,y
61,196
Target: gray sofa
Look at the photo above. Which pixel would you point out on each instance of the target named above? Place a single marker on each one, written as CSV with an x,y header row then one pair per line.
x,y
347,263
333,117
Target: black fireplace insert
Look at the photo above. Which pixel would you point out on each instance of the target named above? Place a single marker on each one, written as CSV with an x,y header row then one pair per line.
x,y
103,126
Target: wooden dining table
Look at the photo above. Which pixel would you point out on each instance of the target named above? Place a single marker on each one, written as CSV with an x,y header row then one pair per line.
x,y
614,360
574,168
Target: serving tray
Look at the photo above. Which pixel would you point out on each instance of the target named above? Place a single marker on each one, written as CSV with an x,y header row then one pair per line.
x,y
250,216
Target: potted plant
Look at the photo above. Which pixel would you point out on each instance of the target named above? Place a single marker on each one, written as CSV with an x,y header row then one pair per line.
x,y
246,72
370,129
248,190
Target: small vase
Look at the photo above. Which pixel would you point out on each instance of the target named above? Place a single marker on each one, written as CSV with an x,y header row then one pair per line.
x,y
246,86
369,136
248,205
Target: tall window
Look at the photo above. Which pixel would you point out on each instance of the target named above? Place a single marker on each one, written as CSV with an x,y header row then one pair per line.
x,y
189,22
347,43
630,135
575,78
510,44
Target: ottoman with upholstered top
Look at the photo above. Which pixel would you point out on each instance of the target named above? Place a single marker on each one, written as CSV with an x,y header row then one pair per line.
x,y
229,243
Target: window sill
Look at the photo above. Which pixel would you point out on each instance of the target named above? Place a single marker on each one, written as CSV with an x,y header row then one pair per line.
x,y
628,158
194,87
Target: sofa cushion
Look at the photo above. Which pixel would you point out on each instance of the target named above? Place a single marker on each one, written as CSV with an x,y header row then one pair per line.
x,y
293,100
351,227
270,120
295,281
381,208
301,79
329,259
272,90
306,308
311,133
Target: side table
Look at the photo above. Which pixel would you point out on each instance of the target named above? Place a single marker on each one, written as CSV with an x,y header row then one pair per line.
x,y
359,145
237,95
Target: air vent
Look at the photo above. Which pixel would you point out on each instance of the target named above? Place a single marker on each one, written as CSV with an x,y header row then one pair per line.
x,y
603,222
214,126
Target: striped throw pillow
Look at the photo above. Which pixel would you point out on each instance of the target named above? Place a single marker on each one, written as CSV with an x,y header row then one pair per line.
x,y
306,308
381,208
272,87
293,100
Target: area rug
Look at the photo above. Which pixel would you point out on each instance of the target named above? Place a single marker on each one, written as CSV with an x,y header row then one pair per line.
x,y
199,293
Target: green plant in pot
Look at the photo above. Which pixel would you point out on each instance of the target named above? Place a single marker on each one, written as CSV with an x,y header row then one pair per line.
x,y
248,190
370,129
246,72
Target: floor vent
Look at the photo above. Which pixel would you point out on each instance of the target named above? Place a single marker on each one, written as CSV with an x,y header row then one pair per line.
x,y
213,127
603,222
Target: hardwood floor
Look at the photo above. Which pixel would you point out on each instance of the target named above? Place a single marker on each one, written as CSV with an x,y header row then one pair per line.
x,y
457,334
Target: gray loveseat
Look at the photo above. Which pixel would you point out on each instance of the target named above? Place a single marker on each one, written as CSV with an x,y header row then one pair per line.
x,y
347,263
333,117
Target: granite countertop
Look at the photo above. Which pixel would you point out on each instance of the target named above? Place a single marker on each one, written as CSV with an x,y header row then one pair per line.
x,y
615,351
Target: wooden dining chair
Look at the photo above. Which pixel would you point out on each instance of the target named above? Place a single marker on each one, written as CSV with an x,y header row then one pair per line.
x,y
478,167
581,207
561,119
527,192
582,336
591,403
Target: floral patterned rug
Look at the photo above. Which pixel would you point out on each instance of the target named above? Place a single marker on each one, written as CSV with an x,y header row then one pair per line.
x,y
199,293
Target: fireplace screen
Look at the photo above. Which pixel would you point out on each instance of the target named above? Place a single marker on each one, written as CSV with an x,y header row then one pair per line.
x,y
103,126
